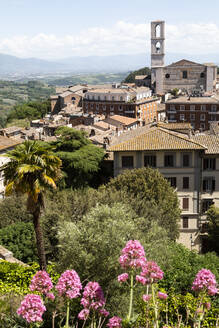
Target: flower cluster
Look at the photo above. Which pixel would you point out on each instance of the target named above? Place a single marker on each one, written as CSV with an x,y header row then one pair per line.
x,y
69,284
146,297
151,272
115,322
133,255
31,308
123,277
205,280
93,299
42,283
162,296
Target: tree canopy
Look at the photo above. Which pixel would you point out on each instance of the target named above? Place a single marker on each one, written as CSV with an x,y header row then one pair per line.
x,y
80,158
213,229
142,71
150,194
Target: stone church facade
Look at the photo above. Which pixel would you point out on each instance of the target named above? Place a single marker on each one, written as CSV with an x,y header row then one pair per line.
x,y
184,74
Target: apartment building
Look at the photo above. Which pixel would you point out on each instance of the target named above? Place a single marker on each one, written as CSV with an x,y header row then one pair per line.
x,y
199,111
135,102
190,164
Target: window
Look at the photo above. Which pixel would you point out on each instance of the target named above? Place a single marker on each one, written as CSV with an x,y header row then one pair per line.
x,y
213,117
121,98
88,97
213,108
185,182
172,108
206,203
182,107
186,160
192,107
209,163
202,117
111,107
185,204
150,160
98,98
113,98
203,107
192,117
127,162
92,106
97,106
184,74
104,107
120,108
185,222
202,75
167,76
172,181
202,126
169,160
104,97
172,117
182,117
208,184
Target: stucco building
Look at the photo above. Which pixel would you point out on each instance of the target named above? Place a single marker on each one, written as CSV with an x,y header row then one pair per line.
x,y
135,102
183,74
189,163
199,111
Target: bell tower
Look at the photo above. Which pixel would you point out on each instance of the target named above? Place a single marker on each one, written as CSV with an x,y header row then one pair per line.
x,y
157,53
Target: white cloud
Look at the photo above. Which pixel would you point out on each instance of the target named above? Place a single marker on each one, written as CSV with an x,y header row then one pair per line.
x,y
122,38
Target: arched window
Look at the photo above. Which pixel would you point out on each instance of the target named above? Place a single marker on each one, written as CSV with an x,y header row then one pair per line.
x,y
121,98
158,47
157,31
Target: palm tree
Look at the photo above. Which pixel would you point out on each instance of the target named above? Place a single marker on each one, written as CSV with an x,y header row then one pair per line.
x,y
32,169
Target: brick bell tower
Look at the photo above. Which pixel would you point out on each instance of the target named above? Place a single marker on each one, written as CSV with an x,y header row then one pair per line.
x,y
157,55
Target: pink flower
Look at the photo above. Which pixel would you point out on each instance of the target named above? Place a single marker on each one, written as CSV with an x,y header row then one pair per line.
x,y
41,282
104,312
50,296
115,322
123,277
83,315
162,296
146,298
69,284
32,308
93,298
205,280
133,255
152,272
141,280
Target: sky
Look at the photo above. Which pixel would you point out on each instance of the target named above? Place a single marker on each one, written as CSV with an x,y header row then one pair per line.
x,y
55,29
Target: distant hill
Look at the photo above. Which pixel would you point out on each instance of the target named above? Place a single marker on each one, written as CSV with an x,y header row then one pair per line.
x,y
11,65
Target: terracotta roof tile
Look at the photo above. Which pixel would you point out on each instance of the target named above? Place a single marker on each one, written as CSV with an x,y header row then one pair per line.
x,y
158,139
6,142
209,141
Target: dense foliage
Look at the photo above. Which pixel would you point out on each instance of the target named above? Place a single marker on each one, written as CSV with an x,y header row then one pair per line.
x,y
142,71
80,158
19,238
31,110
147,189
213,229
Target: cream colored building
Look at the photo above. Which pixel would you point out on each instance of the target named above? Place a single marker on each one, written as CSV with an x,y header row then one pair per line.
x,y
190,163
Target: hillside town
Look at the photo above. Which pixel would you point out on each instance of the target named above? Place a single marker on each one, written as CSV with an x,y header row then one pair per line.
x,y
146,124
167,121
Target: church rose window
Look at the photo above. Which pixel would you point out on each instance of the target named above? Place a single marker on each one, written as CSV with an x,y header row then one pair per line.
x,y
167,76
